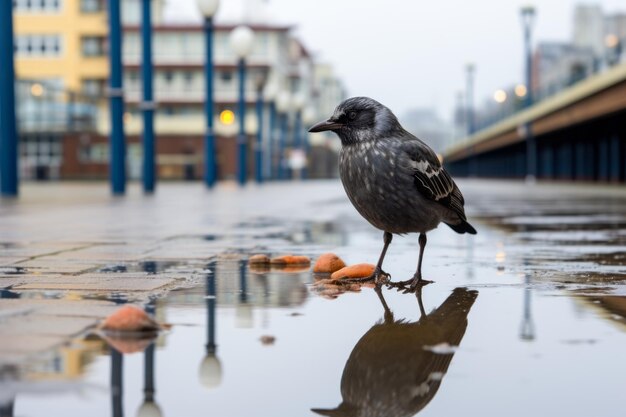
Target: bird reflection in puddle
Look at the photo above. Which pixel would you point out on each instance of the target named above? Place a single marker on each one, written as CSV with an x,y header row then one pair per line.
x,y
396,368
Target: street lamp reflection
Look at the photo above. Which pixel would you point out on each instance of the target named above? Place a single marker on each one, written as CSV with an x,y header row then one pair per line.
x,y
210,373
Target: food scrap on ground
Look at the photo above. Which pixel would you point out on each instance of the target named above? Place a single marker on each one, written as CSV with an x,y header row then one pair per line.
x,y
328,263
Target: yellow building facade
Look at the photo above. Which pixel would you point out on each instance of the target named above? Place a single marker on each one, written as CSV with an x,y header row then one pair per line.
x,y
63,41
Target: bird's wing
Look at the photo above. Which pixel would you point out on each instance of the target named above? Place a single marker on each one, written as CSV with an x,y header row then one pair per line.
x,y
431,178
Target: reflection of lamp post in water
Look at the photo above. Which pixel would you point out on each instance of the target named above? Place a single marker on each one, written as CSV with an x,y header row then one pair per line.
x,y
527,329
116,383
211,368
149,408
243,311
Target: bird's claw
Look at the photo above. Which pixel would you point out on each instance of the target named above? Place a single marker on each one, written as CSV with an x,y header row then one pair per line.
x,y
410,285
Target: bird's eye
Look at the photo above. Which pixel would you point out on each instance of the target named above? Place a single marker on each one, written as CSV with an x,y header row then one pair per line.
x,y
352,115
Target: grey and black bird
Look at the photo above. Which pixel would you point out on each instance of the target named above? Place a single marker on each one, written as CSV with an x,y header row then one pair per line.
x,y
393,179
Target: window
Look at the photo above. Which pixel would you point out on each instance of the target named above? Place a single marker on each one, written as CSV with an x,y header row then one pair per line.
x,y
188,78
93,87
37,6
169,76
226,76
91,6
37,45
93,45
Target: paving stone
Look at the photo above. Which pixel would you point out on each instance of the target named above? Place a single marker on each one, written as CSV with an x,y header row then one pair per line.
x,y
53,265
82,283
25,344
41,325
10,260
53,307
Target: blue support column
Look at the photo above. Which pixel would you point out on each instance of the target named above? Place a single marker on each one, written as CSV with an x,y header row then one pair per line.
x,y
148,98
282,141
272,144
117,164
258,149
242,157
210,162
603,160
297,131
8,124
614,157
306,148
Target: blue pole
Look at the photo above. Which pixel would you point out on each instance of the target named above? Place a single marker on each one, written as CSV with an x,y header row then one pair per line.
x,y
297,131
272,131
281,146
306,148
258,151
148,99
241,139
297,135
116,101
8,124
210,163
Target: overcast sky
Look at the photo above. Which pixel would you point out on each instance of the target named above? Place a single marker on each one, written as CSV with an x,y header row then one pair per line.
x,y
412,53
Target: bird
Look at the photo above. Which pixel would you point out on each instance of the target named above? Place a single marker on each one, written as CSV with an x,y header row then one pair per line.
x,y
397,366
393,179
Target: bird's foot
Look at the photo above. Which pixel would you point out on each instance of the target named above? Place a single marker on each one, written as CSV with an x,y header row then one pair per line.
x,y
379,277
410,285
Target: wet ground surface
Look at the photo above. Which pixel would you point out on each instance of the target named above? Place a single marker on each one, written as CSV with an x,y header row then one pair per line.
x,y
526,318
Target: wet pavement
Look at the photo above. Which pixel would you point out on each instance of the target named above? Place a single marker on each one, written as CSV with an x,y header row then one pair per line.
x,y
526,318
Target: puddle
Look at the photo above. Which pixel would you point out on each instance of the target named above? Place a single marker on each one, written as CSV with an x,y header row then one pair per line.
x,y
507,328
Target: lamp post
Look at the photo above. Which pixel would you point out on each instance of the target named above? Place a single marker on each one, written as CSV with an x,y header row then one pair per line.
x,y
308,118
116,101
8,124
147,105
270,97
283,102
469,115
241,41
258,149
296,162
470,70
528,17
208,8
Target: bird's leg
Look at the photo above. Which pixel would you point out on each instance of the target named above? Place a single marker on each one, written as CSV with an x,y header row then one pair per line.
x,y
418,295
388,313
378,276
417,280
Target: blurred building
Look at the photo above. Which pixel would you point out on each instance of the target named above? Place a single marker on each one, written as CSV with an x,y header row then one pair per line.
x,y
596,43
65,42
561,64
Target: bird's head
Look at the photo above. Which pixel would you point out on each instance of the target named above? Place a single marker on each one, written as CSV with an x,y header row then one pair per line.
x,y
359,119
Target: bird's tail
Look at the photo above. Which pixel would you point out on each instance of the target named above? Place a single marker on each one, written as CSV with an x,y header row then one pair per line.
x,y
463,227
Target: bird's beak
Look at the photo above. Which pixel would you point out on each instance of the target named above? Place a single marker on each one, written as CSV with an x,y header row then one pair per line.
x,y
325,125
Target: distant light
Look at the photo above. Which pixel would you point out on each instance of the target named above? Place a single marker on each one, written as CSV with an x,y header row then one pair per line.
x,y
520,90
36,90
499,96
611,41
227,117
